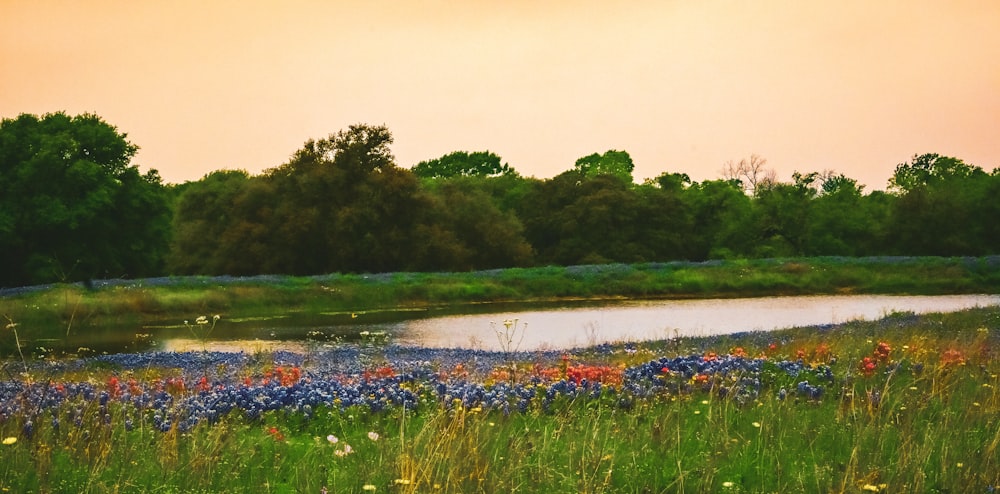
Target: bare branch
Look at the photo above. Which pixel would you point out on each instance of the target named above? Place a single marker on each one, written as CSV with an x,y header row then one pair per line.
x,y
751,173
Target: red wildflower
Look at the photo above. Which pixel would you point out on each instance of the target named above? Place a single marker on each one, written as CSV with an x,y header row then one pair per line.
x,y
175,385
594,373
288,376
276,434
822,353
867,366
113,388
952,357
500,375
882,351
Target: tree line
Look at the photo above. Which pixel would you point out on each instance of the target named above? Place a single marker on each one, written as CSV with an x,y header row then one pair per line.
x,y
74,207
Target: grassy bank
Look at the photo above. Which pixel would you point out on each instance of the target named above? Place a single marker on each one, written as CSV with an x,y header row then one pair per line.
x,y
61,309
905,404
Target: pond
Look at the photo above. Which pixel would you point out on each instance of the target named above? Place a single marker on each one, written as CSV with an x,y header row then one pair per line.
x,y
562,326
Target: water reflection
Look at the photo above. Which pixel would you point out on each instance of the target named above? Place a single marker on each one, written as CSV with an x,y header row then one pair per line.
x,y
574,326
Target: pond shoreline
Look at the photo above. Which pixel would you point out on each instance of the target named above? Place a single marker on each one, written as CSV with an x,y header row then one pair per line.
x,y
72,310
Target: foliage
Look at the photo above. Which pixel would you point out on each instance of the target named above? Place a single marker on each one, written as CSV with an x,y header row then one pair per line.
x,y
568,218
617,164
73,206
940,205
480,234
205,210
463,164
930,169
339,204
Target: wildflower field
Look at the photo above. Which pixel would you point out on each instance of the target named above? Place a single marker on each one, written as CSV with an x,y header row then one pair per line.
x,y
904,404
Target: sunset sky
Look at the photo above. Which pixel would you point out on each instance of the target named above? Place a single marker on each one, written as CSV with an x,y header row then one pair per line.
x,y
683,86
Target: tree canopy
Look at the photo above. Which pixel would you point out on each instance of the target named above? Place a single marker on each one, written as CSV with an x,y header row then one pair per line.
x,y
618,164
463,164
73,205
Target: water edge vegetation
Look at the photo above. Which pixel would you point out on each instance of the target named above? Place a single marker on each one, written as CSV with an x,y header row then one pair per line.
x,y
53,311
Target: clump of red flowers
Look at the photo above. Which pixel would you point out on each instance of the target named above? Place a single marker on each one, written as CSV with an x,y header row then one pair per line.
x,y
594,373
880,355
175,385
276,434
113,388
459,372
577,373
288,376
379,373
952,357
882,351
867,366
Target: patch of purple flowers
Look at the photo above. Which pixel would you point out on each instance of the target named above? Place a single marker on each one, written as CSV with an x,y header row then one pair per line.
x,y
209,386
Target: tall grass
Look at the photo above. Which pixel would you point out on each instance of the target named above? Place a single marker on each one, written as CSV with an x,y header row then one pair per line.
x,y
807,416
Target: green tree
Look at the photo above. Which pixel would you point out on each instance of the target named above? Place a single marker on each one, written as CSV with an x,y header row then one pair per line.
x,y
483,236
463,164
927,170
572,219
664,220
615,163
342,204
842,220
73,206
783,216
204,211
939,205
672,182
721,220
990,213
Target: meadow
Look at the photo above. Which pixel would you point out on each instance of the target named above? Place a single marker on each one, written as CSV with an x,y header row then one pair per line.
x,y
903,404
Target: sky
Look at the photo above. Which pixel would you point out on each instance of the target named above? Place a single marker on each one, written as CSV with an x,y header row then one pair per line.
x,y
683,86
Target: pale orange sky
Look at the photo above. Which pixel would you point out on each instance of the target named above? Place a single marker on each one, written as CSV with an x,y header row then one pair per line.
x,y
683,86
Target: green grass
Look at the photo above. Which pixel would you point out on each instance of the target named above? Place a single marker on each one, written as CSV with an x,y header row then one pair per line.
x,y
72,309
933,425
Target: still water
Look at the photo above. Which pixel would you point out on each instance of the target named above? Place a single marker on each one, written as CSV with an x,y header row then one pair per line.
x,y
567,326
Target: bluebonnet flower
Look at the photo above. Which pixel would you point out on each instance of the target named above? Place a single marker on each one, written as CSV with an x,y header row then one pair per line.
x,y
809,391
